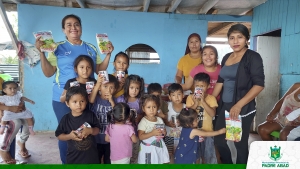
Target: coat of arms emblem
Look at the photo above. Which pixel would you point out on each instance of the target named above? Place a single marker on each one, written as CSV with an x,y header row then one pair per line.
x,y
275,153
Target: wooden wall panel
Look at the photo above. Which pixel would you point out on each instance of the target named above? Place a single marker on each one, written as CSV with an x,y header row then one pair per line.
x,y
284,15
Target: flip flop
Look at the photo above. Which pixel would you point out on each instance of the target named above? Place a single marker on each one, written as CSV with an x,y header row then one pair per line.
x,y
24,154
21,162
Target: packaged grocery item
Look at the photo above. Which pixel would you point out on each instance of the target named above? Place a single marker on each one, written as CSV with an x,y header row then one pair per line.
x,y
75,83
102,41
160,126
120,75
233,128
89,87
201,139
85,124
105,74
47,38
173,118
198,92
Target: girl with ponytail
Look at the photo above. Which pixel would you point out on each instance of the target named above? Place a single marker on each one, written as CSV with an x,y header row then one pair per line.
x,y
120,133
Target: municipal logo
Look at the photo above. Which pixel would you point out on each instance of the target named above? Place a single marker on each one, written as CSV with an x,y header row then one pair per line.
x,y
275,153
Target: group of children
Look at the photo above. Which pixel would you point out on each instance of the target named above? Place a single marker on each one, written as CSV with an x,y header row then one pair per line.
x,y
118,123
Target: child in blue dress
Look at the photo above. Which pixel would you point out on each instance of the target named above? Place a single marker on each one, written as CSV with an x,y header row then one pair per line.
x,y
186,151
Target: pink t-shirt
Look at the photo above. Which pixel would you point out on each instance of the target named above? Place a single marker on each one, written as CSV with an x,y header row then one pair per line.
x,y
120,141
213,76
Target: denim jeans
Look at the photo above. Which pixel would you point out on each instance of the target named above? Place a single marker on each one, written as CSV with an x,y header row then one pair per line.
x,y
60,109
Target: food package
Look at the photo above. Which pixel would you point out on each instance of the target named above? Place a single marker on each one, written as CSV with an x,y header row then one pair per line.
x,y
89,87
233,128
102,41
47,38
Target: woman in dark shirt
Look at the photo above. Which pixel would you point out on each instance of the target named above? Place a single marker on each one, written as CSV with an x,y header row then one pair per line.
x,y
241,79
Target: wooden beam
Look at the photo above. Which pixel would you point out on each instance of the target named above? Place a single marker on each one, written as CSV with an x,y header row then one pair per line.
x,y
10,7
146,5
81,3
237,11
68,3
8,26
207,6
220,28
17,1
174,5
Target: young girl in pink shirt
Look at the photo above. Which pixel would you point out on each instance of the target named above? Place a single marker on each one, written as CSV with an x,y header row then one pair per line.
x,y
120,133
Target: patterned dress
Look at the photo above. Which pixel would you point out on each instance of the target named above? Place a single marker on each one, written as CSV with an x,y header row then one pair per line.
x,y
153,150
186,150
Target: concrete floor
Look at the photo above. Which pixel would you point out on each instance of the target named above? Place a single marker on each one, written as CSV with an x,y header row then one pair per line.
x,y
44,149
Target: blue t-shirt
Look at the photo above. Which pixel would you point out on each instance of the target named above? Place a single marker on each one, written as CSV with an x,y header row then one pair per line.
x,y
63,58
101,107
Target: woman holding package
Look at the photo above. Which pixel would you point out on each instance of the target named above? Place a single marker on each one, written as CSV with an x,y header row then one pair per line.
x,y
241,79
191,58
61,62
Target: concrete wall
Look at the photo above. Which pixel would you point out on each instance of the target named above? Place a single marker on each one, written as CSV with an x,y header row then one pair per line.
x,y
284,15
166,33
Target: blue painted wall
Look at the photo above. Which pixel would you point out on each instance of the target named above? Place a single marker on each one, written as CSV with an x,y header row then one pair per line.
x,y
166,33
284,15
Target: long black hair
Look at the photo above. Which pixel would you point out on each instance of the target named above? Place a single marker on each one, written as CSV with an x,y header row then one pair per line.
x,y
239,28
86,58
147,98
123,55
133,79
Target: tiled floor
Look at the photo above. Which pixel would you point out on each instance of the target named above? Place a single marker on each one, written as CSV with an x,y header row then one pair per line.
x,y
44,149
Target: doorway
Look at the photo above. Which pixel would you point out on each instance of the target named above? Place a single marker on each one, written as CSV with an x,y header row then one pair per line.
x,y
268,46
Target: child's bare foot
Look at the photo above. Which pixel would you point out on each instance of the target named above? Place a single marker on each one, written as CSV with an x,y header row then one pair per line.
x,y
2,128
31,130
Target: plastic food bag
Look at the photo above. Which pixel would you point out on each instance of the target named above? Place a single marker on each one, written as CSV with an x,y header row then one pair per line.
x,y
102,41
233,128
47,38
79,130
89,87
160,126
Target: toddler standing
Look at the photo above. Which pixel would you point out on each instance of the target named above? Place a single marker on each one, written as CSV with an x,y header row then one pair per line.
x,y
102,102
82,147
120,134
151,130
186,151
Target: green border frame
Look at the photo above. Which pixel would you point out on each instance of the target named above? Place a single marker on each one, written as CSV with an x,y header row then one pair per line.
x,y
136,166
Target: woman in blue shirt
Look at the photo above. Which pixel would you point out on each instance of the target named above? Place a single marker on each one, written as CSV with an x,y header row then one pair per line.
x,y
60,63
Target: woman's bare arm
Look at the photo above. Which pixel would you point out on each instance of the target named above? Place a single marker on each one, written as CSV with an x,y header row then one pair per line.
x,y
188,83
178,76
